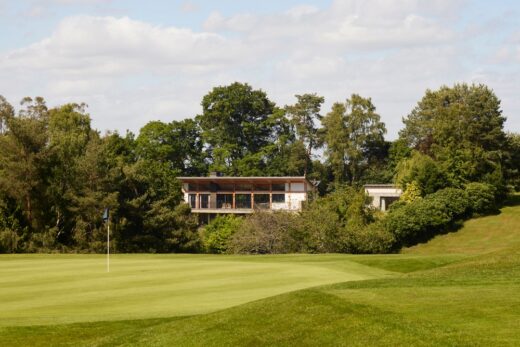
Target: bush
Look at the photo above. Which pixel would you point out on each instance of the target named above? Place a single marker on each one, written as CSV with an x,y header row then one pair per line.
x,y
217,234
371,239
481,197
266,233
453,201
9,241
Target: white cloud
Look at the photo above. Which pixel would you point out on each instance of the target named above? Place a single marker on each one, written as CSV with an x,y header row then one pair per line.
x,y
130,71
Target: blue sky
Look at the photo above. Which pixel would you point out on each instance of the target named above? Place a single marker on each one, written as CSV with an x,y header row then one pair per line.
x,y
136,61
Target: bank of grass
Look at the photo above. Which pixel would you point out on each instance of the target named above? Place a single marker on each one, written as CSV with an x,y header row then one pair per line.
x,y
478,235
468,297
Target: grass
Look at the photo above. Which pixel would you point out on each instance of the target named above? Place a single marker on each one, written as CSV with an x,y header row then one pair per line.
x,y
479,235
51,289
466,296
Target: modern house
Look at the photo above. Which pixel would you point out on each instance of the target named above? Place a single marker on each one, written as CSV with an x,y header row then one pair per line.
x,y
383,195
243,195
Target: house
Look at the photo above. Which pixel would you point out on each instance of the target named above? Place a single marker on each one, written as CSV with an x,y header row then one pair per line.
x,y
383,195
213,195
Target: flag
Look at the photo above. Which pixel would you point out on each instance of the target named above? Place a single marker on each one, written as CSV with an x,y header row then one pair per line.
x,y
106,215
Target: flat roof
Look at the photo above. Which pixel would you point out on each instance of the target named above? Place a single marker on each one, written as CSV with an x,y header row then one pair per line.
x,y
252,178
267,179
382,185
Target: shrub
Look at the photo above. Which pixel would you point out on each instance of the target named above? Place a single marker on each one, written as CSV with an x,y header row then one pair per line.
x,y
481,197
321,230
267,232
9,241
453,201
217,234
372,239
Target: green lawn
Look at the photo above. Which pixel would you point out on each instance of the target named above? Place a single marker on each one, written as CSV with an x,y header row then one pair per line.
x,y
51,289
461,289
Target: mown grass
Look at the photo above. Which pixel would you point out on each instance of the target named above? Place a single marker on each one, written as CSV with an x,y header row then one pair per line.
x,y
469,297
52,289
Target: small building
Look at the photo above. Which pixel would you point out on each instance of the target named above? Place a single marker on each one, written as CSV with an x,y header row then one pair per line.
x,y
383,195
243,195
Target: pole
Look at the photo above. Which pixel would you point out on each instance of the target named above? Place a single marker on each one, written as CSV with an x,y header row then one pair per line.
x,y
108,246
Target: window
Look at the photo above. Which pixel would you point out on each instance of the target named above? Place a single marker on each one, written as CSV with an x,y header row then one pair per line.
x,y
204,200
262,201
243,200
262,187
224,200
278,198
244,187
192,198
279,187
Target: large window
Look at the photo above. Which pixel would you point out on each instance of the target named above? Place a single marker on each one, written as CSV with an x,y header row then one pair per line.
x,y
261,201
224,200
278,198
243,200
204,200
279,187
192,200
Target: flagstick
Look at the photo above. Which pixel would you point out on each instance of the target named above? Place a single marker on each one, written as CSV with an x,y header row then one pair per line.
x,y
108,246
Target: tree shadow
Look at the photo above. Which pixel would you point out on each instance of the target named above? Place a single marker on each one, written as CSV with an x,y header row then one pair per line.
x,y
513,200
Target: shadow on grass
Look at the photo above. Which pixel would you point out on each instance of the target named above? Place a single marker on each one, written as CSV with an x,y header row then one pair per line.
x,y
513,200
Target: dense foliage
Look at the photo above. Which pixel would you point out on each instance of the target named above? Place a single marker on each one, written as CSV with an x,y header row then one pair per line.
x,y
57,174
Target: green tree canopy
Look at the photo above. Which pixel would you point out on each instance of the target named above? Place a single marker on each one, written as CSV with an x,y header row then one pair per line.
x,y
461,127
352,132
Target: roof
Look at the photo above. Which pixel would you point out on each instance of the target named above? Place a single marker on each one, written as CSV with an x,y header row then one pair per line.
x,y
246,179
382,185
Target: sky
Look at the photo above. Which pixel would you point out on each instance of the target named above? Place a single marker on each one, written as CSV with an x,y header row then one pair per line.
x,y
137,61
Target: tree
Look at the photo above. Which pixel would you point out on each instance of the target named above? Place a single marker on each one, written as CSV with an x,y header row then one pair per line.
x,y
177,143
462,128
304,115
235,122
22,156
352,132
420,174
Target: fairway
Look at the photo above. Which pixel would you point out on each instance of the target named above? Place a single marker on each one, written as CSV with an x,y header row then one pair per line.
x,y
57,289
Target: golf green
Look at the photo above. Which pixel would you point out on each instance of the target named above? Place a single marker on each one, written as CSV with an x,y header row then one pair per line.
x,y
57,289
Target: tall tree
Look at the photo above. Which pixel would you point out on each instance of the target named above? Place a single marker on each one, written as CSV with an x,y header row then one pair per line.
x,y
461,127
304,114
235,123
178,143
22,156
352,132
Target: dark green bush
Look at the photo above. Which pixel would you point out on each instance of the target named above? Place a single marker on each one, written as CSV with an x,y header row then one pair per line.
x,y
481,197
453,201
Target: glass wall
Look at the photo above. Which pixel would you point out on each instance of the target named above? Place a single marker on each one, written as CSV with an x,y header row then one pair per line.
x,y
277,198
224,200
243,200
262,201
204,200
193,200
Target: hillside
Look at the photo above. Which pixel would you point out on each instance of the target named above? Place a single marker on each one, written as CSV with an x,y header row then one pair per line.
x,y
478,235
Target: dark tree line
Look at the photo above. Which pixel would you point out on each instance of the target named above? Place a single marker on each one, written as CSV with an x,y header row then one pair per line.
x,y
57,173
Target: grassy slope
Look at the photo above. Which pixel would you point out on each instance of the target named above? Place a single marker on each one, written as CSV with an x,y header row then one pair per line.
x,y
457,299
479,235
